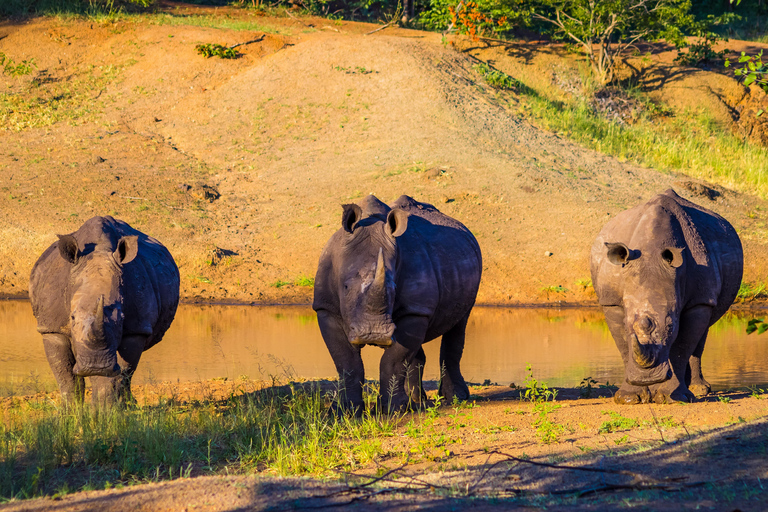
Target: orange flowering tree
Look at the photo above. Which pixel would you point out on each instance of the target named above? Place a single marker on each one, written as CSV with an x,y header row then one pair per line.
x,y
475,18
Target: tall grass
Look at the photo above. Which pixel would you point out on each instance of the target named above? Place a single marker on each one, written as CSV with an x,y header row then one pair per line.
x,y
689,143
45,448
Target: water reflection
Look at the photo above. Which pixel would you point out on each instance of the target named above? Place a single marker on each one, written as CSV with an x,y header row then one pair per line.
x,y
562,346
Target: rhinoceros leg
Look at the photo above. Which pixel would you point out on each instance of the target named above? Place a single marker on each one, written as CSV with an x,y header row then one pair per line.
x,y
107,390
349,364
627,393
693,377
694,324
452,383
402,365
58,351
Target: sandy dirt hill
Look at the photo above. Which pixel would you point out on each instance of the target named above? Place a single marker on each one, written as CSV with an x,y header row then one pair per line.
x,y
240,166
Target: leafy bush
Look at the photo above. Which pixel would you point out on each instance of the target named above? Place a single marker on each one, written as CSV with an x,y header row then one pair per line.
x,y
11,68
605,30
754,70
216,50
701,52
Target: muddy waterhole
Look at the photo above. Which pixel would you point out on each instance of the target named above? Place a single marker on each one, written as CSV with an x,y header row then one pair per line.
x,y
562,346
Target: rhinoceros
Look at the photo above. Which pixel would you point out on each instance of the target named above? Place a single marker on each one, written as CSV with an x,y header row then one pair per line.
x,y
664,272
102,296
396,277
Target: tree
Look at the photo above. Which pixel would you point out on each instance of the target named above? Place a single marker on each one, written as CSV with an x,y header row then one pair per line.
x,y
606,29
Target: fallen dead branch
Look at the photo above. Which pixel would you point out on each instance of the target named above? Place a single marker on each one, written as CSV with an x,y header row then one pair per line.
x,y
260,38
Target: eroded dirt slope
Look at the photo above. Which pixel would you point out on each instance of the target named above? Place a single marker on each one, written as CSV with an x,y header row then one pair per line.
x,y
240,166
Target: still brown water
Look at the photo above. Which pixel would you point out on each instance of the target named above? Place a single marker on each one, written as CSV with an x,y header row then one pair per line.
x,y
562,346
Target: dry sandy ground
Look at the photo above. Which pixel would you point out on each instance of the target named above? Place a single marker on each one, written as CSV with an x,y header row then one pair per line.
x,y
489,454
240,166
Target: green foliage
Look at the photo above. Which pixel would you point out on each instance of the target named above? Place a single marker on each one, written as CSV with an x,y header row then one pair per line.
x,y
617,422
585,387
11,68
536,391
757,324
81,7
754,70
701,52
604,30
209,50
547,430
303,280
495,78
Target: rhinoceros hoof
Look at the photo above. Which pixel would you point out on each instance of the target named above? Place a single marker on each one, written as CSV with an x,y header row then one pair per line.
x,y
676,397
636,395
700,390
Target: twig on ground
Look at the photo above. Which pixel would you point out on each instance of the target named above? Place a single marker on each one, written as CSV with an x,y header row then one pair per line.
x,y
395,17
247,42
656,423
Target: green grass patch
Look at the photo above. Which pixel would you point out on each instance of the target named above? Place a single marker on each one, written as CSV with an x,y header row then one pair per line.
x,y
220,22
748,292
303,280
46,449
42,103
692,143
617,422
495,78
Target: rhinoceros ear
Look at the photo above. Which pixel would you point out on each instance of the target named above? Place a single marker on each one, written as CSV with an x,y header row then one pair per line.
x,y
352,214
68,248
127,248
618,253
673,256
397,222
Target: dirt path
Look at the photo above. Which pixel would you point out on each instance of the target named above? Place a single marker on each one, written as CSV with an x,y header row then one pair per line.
x,y
238,165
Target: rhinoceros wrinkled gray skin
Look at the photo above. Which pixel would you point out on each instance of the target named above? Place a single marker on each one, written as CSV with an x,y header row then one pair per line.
x,y
397,277
664,272
101,297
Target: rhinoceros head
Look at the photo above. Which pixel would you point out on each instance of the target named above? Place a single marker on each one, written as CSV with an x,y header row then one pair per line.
x,y
96,304
653,272
367,280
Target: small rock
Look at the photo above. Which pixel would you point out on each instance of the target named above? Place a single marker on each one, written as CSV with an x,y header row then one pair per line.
x,y
433,173
206,192
185,188
156,119
548,253
97,160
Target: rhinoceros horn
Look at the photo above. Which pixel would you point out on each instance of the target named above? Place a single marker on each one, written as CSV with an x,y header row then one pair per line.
x,y
644,355
377,294
98,322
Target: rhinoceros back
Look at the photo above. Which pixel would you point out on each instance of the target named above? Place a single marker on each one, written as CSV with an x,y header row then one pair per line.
x,y
150,281
441,269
